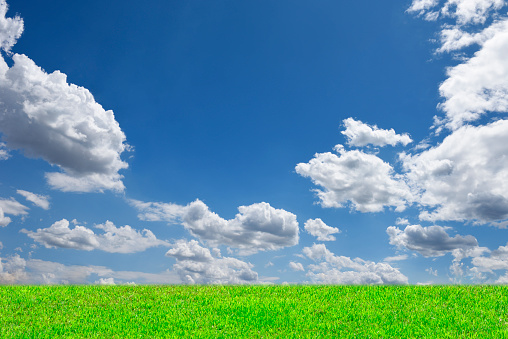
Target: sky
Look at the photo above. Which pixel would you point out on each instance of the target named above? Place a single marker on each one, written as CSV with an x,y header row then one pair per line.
x,y
254,142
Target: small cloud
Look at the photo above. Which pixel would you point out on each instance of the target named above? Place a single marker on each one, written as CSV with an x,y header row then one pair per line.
x,y
396,258
296,266
41,201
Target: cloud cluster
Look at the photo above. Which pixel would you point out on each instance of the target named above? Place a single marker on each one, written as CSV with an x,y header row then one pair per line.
x,y
257,227
478,85
360,134
319,229
123,239
364,179
48,118
463,11
16,270
196,265
332,269
432,241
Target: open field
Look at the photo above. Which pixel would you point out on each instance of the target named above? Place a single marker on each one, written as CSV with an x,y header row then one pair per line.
x,y
254,311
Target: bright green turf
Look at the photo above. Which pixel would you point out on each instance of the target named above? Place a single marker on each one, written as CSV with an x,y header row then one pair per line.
x,y
253,312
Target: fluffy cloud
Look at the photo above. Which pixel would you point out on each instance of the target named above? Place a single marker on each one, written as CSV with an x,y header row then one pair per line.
x,y
432,241
465,177
4,221
296,266
16,270
196,265
319,229
480,84
41,201
360,134
10,28
497,260
48,118
114,240
258,227
332,269
365,180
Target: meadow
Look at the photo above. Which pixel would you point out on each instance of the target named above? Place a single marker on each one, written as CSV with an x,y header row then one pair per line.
x,y
253,311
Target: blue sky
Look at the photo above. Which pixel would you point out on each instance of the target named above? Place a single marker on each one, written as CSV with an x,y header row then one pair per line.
x,y
253,142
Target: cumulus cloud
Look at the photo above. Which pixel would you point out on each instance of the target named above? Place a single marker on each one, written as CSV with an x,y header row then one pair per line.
x,y
16,270
465,177
105,281
123,239
10,28
41,201
319,229
497,260
4,221
365,180
478,85
61,123
432,241
296,266
360,134
332,269
257,227
196,265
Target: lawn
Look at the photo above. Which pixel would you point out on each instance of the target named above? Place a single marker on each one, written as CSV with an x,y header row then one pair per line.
x,y
254,311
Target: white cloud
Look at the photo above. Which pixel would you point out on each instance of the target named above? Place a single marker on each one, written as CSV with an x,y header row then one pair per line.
x,y
421,6
4,221
296,266
365,180
431,271
48,118
10,28
4,152
465,177
41,201
332,269
480,84
463,11
16,270
158,211
196,265
432,241
471,11
497,260
319,229
105,281
258,227
396,258
11,206
114,240
360,134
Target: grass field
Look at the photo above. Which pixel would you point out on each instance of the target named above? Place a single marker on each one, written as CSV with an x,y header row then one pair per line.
x,y
254,311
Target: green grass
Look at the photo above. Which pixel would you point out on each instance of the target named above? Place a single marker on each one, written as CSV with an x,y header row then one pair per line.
x,y
254,311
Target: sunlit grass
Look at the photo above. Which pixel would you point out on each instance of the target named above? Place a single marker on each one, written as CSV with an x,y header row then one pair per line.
x,y
253,311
